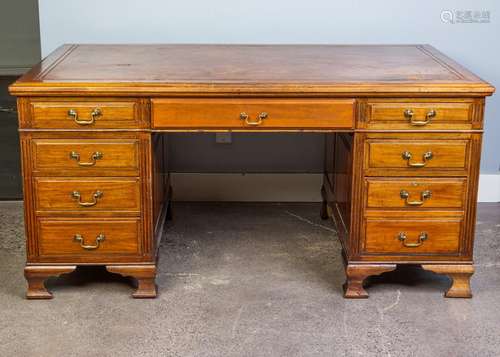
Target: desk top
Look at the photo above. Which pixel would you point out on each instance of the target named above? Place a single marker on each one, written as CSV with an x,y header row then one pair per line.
x,y
248,69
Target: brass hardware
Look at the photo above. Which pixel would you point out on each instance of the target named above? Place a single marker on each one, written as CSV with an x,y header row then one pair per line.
x,y
424,195
244,116
73,114
95,197
79,238
408,113
421,238
94,157
425,157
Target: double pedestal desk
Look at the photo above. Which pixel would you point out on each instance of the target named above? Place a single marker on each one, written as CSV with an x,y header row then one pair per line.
x,y
403,127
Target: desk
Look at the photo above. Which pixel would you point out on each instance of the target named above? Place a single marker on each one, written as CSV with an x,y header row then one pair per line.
x,y
403,125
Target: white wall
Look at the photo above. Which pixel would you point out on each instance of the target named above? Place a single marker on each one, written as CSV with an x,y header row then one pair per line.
x,y
476,46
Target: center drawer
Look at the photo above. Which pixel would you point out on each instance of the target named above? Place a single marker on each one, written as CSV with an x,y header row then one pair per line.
x,y
87,195
245,114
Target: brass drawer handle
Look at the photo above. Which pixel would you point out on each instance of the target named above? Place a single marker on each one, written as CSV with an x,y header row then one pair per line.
x,y
94,157
244,116
95,197
421,238
425,157
408,113
73,114
424,195
79,238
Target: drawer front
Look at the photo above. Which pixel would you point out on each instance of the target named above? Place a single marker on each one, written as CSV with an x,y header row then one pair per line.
x,y
88,238
412,237
420,115
87,195
84,115
417,155
416,193
89,155
248,114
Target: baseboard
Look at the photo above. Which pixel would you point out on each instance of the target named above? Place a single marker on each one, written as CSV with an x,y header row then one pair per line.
x,y
489,188
277,187
13,71
247,187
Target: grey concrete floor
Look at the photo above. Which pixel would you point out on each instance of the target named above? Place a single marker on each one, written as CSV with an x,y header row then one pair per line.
x,y
250,280
10,169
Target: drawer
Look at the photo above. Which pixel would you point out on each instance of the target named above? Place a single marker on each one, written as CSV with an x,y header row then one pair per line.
x,y
88,238
416,193
417,155
418,115
412,236
91,156
87,195
116,114
245,114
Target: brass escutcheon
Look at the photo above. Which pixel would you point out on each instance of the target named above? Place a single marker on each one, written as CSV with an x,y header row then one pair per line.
x,y
79,238
244,116
421,238
97,194
407,155
424,195
408,113
93,158
73,114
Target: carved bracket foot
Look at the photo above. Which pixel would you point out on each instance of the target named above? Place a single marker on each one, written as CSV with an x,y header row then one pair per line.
x,y
459,274
357,273
144,274
36,276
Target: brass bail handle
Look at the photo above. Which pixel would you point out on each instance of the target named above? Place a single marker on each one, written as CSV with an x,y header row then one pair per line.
x,y
76,195
79,238
410,115
93,158
423,236
260,118
424,195
73,114
407,155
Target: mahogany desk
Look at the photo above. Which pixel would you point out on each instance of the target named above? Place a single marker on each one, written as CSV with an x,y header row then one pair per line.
x,y
403,125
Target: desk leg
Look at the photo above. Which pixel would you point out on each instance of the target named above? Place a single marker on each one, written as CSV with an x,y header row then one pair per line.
x,y
36,276
144,274
169,216
459,274
324,204
356,275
